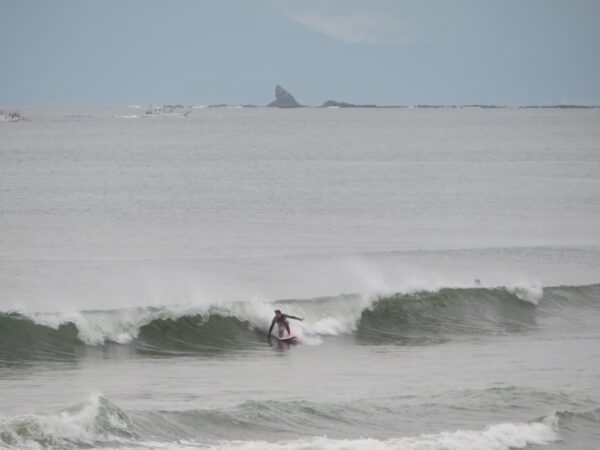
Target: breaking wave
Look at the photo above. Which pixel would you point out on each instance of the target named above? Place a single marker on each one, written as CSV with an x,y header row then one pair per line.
x,y
95,423
418,317
99,423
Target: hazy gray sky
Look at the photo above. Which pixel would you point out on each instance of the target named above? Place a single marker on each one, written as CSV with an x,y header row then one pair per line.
x,y
119,52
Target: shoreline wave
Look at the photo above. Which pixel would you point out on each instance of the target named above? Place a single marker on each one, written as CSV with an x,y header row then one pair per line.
x,y
99,422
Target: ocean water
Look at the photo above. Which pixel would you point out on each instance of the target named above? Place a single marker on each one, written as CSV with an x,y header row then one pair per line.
x,y
446,263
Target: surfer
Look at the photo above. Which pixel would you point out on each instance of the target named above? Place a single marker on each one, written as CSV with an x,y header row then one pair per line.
x,y
281,320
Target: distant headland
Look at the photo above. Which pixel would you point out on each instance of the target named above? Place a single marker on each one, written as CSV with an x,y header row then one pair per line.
x,y
284,99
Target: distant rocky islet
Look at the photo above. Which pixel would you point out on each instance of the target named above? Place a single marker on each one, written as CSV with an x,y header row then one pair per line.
x,y
283,99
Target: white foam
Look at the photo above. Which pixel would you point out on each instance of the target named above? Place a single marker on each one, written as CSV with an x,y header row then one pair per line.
x,y
79,424
332,326
530,293
496,437
323,317
122,326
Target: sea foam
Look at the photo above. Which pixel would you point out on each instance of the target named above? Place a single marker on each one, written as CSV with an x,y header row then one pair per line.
x,y
504,436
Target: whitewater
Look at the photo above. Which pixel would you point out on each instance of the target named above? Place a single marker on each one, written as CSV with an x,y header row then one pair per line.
x,y
446,263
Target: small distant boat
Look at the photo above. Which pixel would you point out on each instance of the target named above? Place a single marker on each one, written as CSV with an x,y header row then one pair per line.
x,y
10,116
165,111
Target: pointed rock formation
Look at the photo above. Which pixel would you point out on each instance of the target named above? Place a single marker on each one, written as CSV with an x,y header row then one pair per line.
x,y
283,99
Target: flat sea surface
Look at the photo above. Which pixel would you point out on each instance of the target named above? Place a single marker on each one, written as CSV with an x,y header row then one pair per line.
x,y
446,263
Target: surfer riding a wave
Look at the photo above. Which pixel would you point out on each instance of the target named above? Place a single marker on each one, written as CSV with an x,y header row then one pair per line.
x,y
282,323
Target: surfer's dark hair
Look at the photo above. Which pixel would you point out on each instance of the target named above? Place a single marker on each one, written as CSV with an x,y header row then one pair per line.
x,y
277,311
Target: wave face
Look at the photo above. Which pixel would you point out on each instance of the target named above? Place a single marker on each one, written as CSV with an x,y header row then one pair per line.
x,y
204,333
20,336
438,315
99,423
418,318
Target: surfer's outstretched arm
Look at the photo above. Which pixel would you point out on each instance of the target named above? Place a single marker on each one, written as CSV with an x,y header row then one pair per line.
x,y
294,317
287,324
